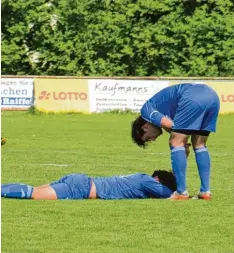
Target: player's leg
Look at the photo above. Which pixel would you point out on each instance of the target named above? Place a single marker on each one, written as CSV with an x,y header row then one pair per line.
x,y
178,141
23,191
203,162
73,186
44,192
199,140
53,191
189,116
17,191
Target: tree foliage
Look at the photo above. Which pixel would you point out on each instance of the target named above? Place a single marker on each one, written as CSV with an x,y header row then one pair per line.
x,y
118,37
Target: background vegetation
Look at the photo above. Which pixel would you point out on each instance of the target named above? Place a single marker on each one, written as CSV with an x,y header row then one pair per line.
x,y
121,37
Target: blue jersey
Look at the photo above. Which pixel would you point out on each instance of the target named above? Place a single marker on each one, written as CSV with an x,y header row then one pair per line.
x,y
189,106
135,186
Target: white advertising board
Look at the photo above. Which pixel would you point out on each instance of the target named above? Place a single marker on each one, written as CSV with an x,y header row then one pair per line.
x,y
16,93
111,94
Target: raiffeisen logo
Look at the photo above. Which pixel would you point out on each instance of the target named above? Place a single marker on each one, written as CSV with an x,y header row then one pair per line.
x,y
69,95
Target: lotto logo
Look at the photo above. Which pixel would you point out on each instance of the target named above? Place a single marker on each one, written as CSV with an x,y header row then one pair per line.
x,y
227,98
44,95
63,95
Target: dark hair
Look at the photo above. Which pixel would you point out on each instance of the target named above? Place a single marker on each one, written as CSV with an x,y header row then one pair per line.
x,y
166,178
138,132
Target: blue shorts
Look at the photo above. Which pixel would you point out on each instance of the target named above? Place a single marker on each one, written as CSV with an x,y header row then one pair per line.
x,y
197,109
73,186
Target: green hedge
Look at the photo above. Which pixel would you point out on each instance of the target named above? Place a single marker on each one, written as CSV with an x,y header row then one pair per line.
x,y
118,37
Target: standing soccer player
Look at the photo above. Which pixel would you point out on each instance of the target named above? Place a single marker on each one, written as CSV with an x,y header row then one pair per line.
x,y
183,110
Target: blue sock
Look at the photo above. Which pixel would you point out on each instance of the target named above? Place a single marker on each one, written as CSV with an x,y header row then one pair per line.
x,y
179,165
203,165
17,191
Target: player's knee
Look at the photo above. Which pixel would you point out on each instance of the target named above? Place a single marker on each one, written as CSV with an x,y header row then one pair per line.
x,y
45,193
195,147
176,141
198,141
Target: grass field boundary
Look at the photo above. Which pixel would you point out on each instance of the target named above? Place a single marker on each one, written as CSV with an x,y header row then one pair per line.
x,y
34,111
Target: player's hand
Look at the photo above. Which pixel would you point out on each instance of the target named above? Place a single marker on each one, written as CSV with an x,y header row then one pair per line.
x,y
166,123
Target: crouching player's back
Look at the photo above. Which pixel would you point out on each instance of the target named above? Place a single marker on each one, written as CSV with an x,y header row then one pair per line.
x,y
80,186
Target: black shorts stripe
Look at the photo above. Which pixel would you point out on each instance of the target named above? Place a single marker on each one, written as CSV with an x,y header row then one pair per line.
x,y
190,132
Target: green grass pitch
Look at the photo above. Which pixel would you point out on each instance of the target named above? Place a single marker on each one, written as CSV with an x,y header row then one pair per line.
x,y
42,148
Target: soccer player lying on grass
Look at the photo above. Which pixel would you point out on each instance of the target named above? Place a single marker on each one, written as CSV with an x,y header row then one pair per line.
x,y
79,186
183,110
